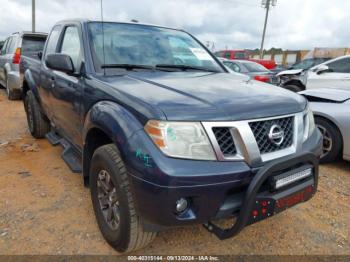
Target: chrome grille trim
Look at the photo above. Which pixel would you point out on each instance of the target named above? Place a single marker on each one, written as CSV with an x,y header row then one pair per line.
x,y
246,146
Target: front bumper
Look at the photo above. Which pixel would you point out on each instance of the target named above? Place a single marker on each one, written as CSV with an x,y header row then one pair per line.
x,y
214,189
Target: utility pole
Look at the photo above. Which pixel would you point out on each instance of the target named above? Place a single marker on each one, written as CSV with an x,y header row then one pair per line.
x,y
33,16
265,4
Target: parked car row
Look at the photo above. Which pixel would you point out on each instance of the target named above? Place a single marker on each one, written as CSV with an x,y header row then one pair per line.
x,y
25,44
331,73
162,133
252,69
244,55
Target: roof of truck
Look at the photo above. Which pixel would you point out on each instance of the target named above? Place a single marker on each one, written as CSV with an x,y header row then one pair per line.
x,y
82,20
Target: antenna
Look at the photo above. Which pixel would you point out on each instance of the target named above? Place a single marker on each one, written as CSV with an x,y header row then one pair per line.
x,y
103,39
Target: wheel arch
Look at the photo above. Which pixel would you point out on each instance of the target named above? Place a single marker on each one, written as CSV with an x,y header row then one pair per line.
x,y
333,122
107,122
29,84
295,82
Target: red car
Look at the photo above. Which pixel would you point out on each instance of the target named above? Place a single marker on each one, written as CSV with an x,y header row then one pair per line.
x,y
243,54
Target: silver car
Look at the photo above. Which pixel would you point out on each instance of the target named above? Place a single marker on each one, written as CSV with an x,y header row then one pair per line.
x,y
331,108
15,46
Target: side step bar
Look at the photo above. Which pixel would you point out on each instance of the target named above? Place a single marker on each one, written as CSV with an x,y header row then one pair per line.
x,y
69,155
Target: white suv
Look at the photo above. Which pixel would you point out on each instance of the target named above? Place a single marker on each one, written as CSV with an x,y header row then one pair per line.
x,y
334,73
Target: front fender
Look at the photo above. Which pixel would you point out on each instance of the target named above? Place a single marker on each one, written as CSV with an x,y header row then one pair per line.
x,y
29,79
114,120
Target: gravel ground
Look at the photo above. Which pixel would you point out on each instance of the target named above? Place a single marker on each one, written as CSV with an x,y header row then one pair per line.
x,y
45,209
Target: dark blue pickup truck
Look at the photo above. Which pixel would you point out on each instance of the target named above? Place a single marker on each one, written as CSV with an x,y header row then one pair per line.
x,y
163,135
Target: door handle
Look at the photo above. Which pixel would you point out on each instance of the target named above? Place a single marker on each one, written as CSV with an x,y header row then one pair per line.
x,y
52,80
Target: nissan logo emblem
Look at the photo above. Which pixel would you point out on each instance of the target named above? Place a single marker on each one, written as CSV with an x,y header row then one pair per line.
x,y
276,135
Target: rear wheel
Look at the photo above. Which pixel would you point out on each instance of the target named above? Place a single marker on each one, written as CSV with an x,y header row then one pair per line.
x,y
332,140
38,123
113,203
293,88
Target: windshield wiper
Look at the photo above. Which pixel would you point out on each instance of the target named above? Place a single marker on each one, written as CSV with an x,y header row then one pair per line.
x,y
128,66
186,67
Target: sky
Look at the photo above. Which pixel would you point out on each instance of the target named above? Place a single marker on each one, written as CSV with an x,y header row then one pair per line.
x,y
292,24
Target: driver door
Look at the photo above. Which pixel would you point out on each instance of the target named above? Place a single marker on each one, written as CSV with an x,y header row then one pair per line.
x,y
67,90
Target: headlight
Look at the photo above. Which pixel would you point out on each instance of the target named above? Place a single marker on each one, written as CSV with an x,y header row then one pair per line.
x,y
181,139
309,123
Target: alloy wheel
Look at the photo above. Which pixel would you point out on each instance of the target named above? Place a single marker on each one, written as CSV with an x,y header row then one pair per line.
x,y
327,141
108,199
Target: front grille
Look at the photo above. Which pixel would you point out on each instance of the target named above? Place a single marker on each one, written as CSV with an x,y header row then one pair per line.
x,y
261,131
225,140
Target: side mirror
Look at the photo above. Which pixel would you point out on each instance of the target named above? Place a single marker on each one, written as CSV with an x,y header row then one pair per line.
x,y
40,55
322,69
60,62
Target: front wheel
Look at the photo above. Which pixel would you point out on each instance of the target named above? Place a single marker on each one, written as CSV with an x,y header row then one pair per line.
x,y
38,124
113,203
293,88
332,140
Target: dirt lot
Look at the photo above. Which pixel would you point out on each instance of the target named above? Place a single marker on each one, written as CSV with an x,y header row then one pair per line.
x,y
45,209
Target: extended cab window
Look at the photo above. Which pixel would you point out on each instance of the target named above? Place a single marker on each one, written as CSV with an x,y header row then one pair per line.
x,y
71,45
340,66
51,46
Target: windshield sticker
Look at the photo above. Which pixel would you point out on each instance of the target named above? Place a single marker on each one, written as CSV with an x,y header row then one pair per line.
x,y
201,54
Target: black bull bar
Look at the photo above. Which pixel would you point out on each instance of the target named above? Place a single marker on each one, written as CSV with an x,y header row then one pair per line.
x,y
252,196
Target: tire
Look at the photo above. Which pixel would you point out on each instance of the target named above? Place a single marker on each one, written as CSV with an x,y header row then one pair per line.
x,y
332,140
38,123
124,231
10,94
293,88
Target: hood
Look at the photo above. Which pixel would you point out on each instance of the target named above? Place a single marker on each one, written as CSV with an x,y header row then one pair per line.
x,y
327,94
206,96
290,72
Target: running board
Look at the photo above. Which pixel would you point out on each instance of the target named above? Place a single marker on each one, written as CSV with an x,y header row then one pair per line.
x,y
69,155
53,138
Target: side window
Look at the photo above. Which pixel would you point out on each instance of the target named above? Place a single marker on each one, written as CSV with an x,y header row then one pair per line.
x,y
340,66
3,50
227,55
232,66
235,67
71,45
12,45
9,45
51,46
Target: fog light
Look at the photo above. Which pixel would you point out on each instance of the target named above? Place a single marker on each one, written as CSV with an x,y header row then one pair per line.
x,y
181,205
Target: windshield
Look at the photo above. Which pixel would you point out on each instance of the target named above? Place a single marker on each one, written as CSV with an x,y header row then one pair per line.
x,y
254,67
305,64
133,44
